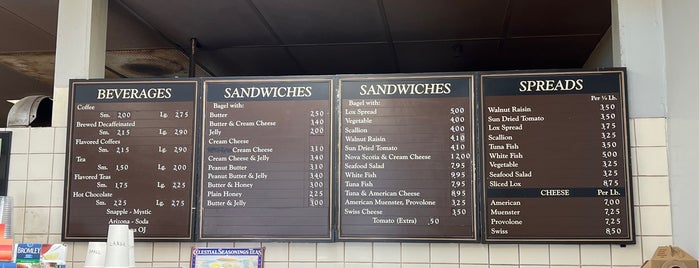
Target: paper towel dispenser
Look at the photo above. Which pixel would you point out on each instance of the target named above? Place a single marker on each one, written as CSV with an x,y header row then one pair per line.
x,y
31,111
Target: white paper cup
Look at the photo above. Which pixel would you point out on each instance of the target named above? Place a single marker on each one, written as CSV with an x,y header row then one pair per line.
x,y
117,247
132,252
96,253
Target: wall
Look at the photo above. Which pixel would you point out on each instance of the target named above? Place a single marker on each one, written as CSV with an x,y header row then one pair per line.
x,y
36,184
603,55
637,37
682,62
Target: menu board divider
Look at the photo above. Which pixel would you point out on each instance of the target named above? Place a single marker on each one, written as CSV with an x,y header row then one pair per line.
x,y
196,188
337,110
477,156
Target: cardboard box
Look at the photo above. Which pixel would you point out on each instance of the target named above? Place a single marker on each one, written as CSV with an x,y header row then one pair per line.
x,y
671,257
39,255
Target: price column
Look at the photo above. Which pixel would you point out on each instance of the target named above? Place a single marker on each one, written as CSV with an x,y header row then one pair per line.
x,y
266,160
459,161
405,170
613,162
318,167
130,158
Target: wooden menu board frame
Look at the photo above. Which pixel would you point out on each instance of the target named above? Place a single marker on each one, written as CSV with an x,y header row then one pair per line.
x,y
570,187
389,186
130,156
267,159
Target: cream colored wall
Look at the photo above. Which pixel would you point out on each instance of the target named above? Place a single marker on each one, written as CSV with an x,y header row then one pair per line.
x,y
36,184
681,42
638,44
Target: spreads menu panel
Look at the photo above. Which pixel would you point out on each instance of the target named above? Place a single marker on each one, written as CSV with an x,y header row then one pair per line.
x,y
130,158
405,158
555,157
266,160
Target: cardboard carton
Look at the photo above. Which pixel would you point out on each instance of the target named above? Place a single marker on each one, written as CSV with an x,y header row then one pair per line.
x,y
670,257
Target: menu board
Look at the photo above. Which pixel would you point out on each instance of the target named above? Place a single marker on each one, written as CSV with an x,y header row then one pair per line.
x,y
555,157
266,161
405,159
130,158
537,157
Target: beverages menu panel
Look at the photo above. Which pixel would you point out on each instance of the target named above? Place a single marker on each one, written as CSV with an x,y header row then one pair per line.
x,y
130,158
405,159
267,160
555,157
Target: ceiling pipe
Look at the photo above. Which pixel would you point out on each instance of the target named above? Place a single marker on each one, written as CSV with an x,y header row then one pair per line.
x,y
192,52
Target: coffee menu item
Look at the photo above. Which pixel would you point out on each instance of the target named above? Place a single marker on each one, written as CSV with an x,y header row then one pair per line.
x,y
405,158
266,161
130,158
555,157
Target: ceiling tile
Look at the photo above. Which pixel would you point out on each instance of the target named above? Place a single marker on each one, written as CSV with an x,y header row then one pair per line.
x,y
447,56
43,14
248,61
322,21
168,62
216,24
22,84
21,36
548,52
126,32
345,59
445,19
37,65
556,17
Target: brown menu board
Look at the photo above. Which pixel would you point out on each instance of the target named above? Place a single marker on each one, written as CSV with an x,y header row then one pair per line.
x,y
130,158
555,157
405,159
266,172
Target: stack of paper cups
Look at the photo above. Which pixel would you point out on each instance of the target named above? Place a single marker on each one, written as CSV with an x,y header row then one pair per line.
x,y
117,247
96,253
6,215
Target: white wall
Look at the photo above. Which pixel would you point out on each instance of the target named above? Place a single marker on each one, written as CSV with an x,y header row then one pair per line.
x,y
637,36
682,51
